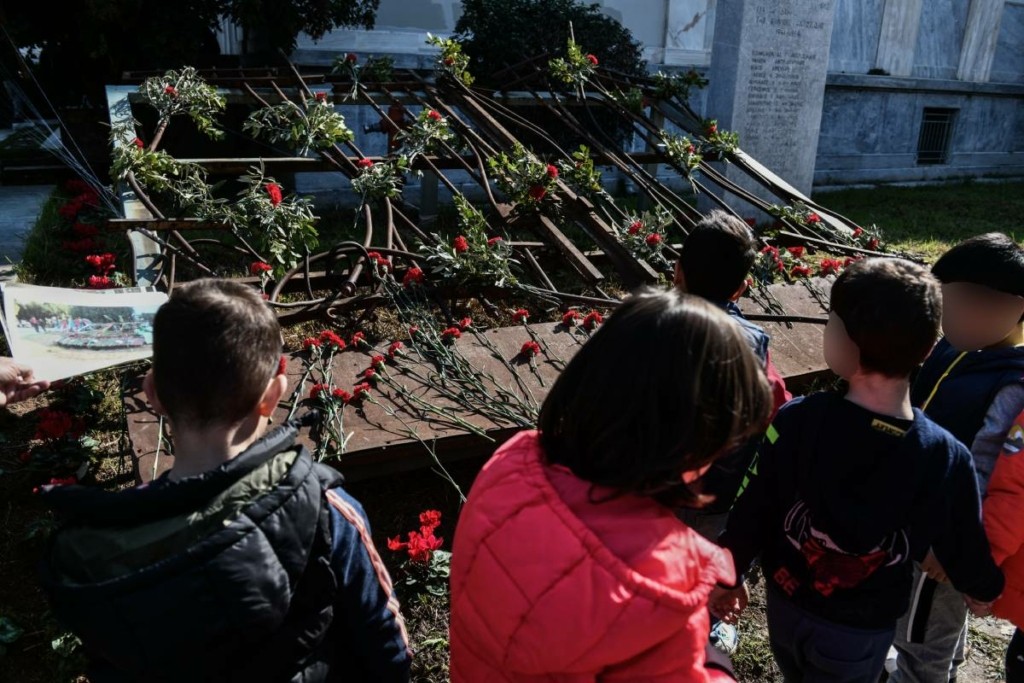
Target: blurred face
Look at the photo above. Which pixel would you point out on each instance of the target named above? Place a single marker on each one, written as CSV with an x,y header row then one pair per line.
x,y
841,354
976,317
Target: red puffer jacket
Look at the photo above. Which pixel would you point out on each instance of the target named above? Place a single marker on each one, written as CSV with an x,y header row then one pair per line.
x,y
1004,522
548,585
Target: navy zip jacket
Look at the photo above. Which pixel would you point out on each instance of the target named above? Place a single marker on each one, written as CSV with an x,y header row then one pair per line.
x,y
259,570
842,500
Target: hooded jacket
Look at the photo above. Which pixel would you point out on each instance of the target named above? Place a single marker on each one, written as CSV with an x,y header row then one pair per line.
x,y
261,569
956,389
554,580
1004,523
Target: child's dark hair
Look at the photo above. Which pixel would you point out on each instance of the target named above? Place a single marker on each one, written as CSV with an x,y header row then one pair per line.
x,y
891,309
216,345
717,256
992,260
665,386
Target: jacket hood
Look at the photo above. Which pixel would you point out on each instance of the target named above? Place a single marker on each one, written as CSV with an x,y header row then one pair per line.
x,y
208,563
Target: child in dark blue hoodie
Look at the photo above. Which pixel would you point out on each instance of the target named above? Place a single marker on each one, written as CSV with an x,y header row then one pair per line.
x,y
973,385
849,490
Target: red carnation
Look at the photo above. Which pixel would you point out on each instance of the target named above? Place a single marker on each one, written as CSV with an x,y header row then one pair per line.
x,y
873,244
351,58
465,324
360,391
592,320
413,276
430,518
370,375
712,128
331,338
829,266
592,59
800,271
396,349
365,163
521,315
274,190
53,424
377,361
448,61
342,395
321,97
797,252
139,143
570,317
258,267
813,218
317,389
635,227
460,244
552,171
310,343
774,251
100,282
171,90
413,331
751,221
858,232
493,241
358,339
434,115
530,349
537,192
653,239
451,334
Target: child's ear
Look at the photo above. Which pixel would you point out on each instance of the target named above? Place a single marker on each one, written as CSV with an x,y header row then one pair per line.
x,y
149,388
272,395
678,279
740,290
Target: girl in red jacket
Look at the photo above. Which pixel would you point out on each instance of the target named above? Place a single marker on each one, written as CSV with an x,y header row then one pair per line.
x,y
569,565
1004,524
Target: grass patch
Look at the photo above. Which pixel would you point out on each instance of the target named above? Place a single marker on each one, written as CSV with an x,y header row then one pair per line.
x,y
929,220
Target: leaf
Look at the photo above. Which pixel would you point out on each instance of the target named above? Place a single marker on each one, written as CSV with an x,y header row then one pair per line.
x,y
9,631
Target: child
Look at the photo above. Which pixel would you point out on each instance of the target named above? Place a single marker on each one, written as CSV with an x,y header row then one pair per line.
x,y
246,561
567,566
714,263
973,385
1004,523
850,489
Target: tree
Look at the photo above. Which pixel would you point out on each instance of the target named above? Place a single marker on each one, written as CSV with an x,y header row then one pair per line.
x,y
497,34
81,46
500,33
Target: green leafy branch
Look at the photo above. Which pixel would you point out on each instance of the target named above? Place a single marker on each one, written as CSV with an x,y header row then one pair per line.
x,y
316,126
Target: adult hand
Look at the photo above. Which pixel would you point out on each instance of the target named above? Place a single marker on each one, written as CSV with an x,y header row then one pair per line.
x,y
978,609
728,603
17,382
931,566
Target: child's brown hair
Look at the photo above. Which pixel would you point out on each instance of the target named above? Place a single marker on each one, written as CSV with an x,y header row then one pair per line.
x,y
717,256
216,345
664,387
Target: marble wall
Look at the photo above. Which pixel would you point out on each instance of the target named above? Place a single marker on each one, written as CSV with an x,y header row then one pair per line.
x,y
855,32
1008,65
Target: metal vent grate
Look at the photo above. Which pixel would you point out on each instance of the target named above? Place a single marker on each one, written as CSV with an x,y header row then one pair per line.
x,y
936,133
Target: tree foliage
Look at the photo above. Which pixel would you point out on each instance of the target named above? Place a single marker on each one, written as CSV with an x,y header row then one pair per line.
x,y
80,46
501,33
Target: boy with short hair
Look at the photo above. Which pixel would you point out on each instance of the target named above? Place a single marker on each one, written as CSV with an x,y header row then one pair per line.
x,y
973,385
714,263
247,560
848,490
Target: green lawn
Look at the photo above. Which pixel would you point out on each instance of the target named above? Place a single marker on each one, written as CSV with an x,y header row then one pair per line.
x,y
928,220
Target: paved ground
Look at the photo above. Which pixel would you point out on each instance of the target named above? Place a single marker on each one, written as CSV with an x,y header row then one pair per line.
x,y
19,207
